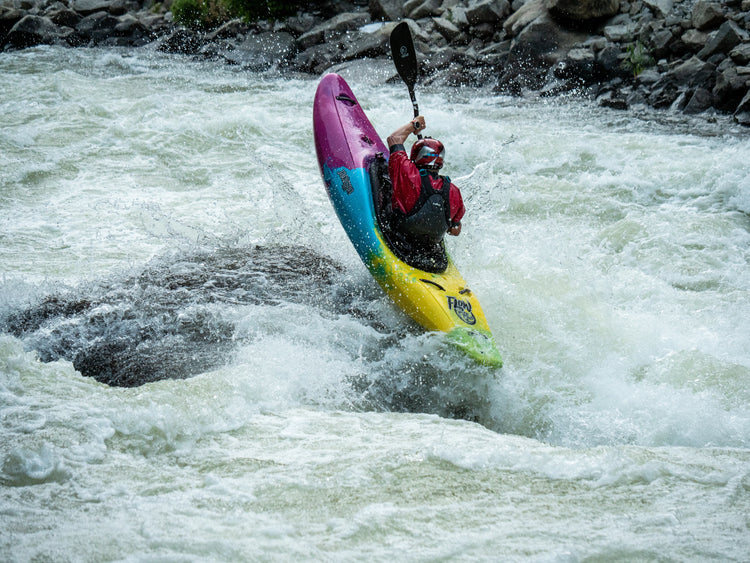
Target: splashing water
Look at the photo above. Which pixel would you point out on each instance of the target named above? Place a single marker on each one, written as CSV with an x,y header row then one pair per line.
x,y
164,225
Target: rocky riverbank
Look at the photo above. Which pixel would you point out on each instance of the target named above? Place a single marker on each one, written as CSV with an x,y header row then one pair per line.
x,y
691,56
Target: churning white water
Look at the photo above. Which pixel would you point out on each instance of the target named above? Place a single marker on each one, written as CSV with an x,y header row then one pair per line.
x,y
195,366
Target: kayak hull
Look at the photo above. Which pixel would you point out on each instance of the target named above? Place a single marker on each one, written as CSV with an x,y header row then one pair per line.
x,y
346,143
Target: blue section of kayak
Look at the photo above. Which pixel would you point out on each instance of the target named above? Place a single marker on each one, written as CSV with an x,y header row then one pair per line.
x,y
351,196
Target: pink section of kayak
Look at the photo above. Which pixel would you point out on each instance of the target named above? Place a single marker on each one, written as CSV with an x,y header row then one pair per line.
x,y
343,134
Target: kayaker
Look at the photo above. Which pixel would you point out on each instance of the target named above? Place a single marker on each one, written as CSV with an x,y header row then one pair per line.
x,y
425,204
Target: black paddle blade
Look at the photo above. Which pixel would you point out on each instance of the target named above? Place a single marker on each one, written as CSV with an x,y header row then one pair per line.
x,y
404,55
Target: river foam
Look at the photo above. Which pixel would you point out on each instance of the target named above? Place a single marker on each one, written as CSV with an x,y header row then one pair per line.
x,y
152,199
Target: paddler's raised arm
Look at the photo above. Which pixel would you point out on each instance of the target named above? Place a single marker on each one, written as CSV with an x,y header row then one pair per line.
x,y
399,135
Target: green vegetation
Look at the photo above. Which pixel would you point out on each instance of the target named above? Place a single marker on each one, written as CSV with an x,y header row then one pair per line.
x,y
199,14
205,14
638,59
252,10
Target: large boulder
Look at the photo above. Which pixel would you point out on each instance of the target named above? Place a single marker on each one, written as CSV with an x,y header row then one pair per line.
x,y
132,29
660,7
582,10
706,14
693,72
378,71
35,30
388,10
579,66
522,17
230,29
64,16
347,21
537,48
694,40
487,11
417,9
87,7
182,41
699,101
95,28
263,51
372,44
731,86
741,54
317,58
446,28
742,113
9,16
723,40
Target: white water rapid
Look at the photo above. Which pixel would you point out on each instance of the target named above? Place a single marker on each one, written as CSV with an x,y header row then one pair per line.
x,y
195,365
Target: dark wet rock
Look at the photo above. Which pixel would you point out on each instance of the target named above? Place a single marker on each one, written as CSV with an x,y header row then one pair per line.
x,y
262,51
446,28
487,11
660,7
166,321
741,54
700,100
388,10
333,27
582,10
687,55
9,16
539,46
231,29
694,40
742,113
317,58
417,9
613,99
95,28
35,30
693,72
731,85
664,95
707,14
579,64
360,45
726,38
65,17
522,17
132,30
182,41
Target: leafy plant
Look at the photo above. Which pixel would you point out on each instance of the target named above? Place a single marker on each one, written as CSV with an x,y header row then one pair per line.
x,y
199,14
638,58
204,14
252,10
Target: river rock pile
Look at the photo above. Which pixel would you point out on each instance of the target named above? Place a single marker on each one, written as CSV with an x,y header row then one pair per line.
x,y
686,55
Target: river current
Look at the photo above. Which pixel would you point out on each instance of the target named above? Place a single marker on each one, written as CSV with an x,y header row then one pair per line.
x,y
195,365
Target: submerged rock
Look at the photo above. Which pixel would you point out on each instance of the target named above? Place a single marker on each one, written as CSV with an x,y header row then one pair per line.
x,y
166,322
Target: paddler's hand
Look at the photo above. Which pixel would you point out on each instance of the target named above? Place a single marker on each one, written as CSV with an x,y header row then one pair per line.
x,y
399,135
418,124
455,230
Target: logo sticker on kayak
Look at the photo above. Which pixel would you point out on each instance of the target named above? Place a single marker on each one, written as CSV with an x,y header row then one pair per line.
x,y
346,183
462,309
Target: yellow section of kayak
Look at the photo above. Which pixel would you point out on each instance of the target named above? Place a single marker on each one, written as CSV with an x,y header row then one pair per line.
x,y
439,302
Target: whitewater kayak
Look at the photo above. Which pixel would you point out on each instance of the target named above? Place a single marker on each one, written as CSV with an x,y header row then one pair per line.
x,y
352,159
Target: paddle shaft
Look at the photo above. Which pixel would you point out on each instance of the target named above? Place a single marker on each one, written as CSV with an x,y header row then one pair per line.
x,y
405,59
416,108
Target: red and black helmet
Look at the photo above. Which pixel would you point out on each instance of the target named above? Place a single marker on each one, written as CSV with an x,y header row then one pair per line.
x,y
428,153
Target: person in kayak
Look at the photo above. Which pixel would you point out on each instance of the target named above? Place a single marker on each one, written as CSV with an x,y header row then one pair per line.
x,y
425,204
